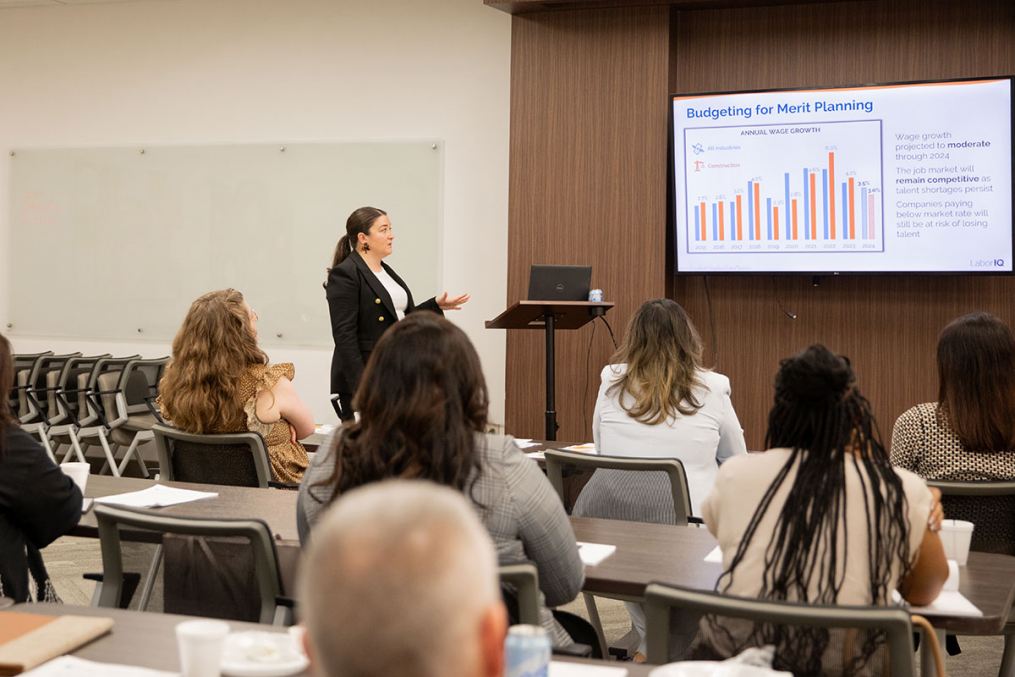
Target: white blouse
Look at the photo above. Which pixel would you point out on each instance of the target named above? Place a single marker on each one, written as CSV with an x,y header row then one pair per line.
x,y
700,441
397,293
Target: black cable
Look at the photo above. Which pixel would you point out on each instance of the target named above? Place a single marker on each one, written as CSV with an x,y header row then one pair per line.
x,y
711,322
585,390
775,294
610,329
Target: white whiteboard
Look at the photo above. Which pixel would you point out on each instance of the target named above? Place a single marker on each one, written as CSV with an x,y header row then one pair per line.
x,y
116,242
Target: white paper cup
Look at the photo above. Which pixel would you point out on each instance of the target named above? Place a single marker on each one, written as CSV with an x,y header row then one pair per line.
x,y
956,536
77,472
200,644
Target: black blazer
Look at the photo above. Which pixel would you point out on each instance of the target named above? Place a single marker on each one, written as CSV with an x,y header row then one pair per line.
x,y
361,310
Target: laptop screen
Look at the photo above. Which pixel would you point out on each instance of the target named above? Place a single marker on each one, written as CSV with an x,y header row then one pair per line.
x,y
559,283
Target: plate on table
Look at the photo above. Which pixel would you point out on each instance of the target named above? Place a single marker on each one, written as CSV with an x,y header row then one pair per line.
x,y
262,654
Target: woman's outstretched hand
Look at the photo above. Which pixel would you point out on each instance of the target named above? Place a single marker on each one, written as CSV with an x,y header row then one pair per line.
x,y
454,303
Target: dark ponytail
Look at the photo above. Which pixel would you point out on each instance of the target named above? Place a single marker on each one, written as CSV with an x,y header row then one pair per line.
x,y
358,222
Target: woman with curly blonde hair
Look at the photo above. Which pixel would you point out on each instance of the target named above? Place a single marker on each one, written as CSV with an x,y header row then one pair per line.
x,y
219,381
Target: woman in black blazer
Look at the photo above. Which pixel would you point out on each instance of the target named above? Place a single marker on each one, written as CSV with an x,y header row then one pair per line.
x,y
365,297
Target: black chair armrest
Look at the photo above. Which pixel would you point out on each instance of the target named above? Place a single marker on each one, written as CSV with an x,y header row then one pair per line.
x,y
287,602
289,486
131,581
691,519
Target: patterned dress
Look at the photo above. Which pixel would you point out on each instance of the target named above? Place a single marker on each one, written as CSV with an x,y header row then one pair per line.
x,y
288,459
924,443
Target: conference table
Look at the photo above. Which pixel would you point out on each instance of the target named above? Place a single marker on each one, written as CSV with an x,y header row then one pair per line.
x,y
148,640
645,552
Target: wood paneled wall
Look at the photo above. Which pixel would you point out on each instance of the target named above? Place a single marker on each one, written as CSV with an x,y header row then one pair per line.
x,y
588,185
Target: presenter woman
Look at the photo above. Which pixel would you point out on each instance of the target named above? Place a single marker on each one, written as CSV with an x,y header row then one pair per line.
x,y
365,297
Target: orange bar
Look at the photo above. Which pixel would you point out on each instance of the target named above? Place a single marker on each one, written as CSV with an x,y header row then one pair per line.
x,y
703,231
814,211
722,229
757,211
852,220
831,193
775,232
740,219
793,201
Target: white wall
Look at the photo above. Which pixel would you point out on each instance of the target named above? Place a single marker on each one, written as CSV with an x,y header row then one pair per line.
x,y
238,71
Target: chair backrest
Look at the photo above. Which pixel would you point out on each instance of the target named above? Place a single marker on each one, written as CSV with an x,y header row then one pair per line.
x,y
524,579
236,459
254,531
24,366
988,505
102,389
40,386
893,621
71,392
556,459
139,383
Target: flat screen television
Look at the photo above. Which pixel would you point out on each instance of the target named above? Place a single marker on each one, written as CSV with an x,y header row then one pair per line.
x,y
911,177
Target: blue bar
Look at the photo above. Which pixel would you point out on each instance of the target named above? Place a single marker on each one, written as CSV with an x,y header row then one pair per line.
x,y
697,224
807,207
845,212
768,210
863,211
785,209
715,222
733,220
750,210
824,197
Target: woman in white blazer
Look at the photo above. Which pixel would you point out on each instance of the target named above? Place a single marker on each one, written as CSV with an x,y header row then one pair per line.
x,y
658,401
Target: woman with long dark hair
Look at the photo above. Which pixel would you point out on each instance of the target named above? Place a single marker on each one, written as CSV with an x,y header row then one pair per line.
x,y
38,503
422,407
821,517
365,298
969,433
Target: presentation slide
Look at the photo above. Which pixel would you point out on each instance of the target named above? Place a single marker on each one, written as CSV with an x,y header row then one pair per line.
x,y
892,178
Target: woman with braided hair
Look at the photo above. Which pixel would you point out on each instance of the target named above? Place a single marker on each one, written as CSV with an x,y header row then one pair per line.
x,y
821,517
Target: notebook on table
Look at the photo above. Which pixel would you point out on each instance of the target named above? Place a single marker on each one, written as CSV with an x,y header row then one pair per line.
x,y
27,640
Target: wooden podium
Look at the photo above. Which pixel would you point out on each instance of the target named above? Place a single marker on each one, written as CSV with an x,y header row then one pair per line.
x,y
549,316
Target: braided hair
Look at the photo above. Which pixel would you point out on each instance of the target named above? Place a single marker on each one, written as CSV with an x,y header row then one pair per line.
x,y
826,423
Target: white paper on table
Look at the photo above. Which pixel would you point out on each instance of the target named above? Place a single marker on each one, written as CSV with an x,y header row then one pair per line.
x,y
324,429
714,555
561,669
584,448
594,553
69,666
526,444
951,603
536,455
157,496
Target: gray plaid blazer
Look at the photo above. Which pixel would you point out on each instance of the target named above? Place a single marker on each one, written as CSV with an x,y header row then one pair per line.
x,y
515,501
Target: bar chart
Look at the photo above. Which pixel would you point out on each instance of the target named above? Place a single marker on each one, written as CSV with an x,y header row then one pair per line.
x,y
784,188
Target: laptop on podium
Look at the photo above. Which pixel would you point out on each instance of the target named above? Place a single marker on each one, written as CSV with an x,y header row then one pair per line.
x,y
559,283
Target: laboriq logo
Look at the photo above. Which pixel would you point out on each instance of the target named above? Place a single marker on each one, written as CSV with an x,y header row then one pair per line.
x,y
986,263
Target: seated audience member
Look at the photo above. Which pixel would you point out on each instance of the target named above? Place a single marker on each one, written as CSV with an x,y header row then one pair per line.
x,y
219,381
658,401
422,404
821,517
401,579
38,503
969,433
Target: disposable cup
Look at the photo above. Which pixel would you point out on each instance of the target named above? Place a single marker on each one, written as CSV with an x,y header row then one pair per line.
x,y
77,472
200,644
956,536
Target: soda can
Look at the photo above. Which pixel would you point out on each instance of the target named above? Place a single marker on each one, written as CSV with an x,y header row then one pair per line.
x,y
527,652
596,296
